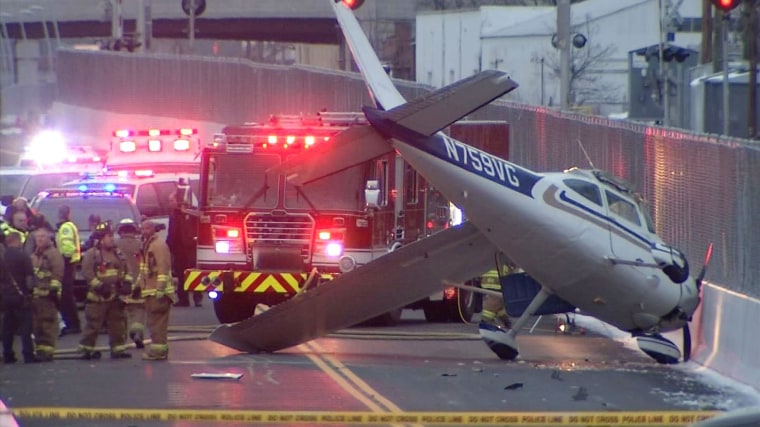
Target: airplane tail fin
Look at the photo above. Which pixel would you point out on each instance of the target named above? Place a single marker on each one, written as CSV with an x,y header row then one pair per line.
x,y
380,85
437,110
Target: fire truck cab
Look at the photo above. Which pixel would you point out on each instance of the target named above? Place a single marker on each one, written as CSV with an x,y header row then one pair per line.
x,y
262,240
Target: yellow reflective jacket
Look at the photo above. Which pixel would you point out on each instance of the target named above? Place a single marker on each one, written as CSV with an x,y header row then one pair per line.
x,y
104,270
48,268
7,229
155,269
67,241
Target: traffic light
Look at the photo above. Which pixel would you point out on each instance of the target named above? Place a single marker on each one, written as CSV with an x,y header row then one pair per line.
x,y
353,4
726,5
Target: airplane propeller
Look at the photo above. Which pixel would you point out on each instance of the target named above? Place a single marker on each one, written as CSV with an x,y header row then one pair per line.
x,y
698,280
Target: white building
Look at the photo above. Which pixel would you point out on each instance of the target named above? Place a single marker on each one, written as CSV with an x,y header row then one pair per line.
x,y
451,45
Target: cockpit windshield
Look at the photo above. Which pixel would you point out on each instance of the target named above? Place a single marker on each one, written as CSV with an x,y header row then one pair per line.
x,y
238,181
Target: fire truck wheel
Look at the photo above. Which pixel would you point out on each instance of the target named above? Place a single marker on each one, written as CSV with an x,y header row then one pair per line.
x,y
463,307
232,308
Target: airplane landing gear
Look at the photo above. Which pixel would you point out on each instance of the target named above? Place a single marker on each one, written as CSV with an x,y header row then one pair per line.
x,y
503,342
659,348
499,340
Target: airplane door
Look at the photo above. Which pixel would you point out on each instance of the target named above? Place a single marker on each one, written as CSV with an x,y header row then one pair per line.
x,y
623,222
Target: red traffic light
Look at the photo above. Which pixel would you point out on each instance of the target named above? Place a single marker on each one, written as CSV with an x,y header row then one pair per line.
x,y
353,4
725,5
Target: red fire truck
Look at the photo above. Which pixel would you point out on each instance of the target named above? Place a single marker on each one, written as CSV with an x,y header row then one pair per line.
x,y
262,240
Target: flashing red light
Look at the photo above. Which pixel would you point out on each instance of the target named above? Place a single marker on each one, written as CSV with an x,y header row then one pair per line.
x,y
353,4
154,132
122,133
726,5
309,140
272,139
290,139
187,131
430,224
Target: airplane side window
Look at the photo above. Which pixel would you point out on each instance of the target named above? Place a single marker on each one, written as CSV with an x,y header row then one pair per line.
x,y
585,189
622,208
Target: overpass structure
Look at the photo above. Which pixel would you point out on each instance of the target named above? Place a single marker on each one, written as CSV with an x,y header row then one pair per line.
x,y
297,21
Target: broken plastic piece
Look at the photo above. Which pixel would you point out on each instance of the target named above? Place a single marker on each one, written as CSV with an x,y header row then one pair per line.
x,y
212,376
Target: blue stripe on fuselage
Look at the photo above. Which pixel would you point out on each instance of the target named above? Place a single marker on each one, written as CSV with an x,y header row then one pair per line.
x,y
458,153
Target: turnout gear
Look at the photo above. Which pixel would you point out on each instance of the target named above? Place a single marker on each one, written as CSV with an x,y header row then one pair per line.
x,y
68,243
130,245
48,269
493,306
158,291
105,270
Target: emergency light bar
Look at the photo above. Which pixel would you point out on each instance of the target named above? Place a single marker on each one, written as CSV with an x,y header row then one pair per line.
x,y
127,133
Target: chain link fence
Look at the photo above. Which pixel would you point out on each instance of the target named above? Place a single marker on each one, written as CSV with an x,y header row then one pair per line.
x,y
702,188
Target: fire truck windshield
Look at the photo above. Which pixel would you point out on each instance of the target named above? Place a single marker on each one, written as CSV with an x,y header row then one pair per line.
x,y
236,180
341,191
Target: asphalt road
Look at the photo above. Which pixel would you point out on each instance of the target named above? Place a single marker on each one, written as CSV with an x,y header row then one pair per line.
x,y
414,368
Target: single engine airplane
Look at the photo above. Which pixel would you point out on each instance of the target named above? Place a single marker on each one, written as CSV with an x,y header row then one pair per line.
x,y
583,237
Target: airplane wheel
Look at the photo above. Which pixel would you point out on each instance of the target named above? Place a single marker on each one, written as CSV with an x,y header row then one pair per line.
x,y
232,308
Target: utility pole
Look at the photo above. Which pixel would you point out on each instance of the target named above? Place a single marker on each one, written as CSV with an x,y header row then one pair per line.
x,y
563,44
117,20
724,52
751,40
665,93
705,55
191,33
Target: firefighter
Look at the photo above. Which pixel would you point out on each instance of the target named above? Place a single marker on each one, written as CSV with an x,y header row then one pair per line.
x,y
493,305
157,289
19,223
181,242
16,284
67,241
48,268
130,245
105,270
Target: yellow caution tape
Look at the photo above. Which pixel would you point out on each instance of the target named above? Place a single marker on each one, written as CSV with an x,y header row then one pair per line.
x,y
659,418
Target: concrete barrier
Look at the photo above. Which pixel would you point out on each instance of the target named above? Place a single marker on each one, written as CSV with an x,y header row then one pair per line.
x,y
726,334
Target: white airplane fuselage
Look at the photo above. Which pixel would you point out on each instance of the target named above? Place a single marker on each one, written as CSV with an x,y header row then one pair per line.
x,y
566,242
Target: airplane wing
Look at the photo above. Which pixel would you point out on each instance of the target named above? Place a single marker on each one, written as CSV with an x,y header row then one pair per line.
x,y
403,276
351,147
381,87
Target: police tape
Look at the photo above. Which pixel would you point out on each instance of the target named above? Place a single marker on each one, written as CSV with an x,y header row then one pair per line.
x,y
658,418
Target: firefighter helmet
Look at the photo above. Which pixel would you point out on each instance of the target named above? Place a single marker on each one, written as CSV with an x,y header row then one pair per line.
x,y
127,225
103,229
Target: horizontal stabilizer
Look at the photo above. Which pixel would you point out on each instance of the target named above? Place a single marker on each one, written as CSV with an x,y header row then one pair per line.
x,y
351,147
433,112
403,276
